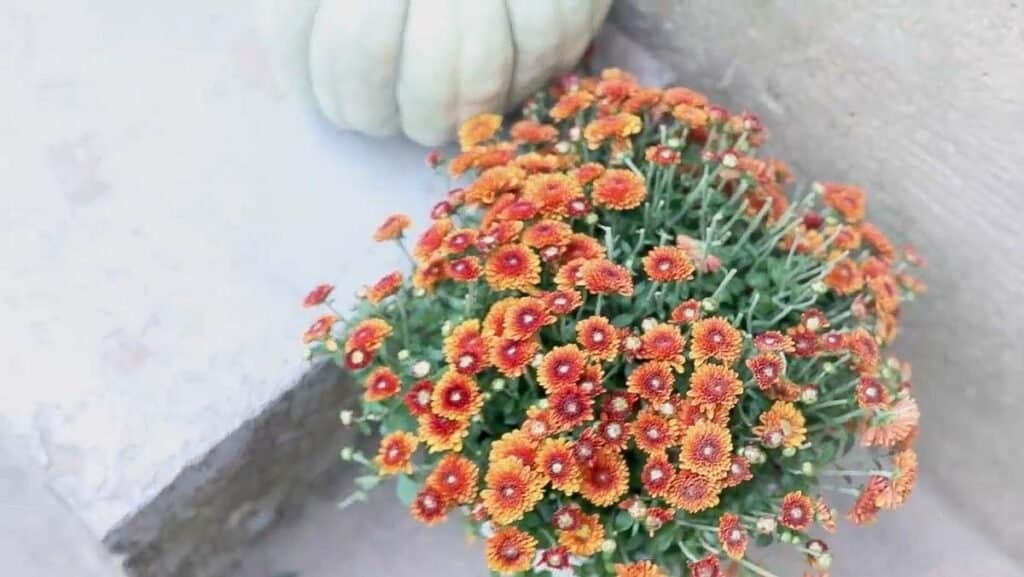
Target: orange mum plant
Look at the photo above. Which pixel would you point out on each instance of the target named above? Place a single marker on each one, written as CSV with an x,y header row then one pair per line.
x,y
623,349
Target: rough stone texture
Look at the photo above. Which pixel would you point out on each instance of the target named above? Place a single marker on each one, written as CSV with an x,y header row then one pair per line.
x,y
921,103
164,209
197,526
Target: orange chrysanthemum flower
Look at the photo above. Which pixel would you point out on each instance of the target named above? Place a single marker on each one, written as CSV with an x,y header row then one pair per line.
x,y
891,426
427,276
662,155
653,433
570,104
320,329
546,233
456,396
395,452
903,480
478,129
534,162
668,264
460,240
848,201
430,507
555,460
652,381
531,132
552,193
782,425
715,338
392,228
599,337
513,489
638,569
381,384
511,357
865,508
586,538
417,398
614,127
582,246
562,302
442,434
706,449
844,277
591,379
517,445
602,276
466,349
385,287
619,189
605,479
825,515
570,274
872,393
588,172
513,267
714,385
464,269
318,295
663,342
693,493
732,535
510,551
864,347
455,478
525,317
706,567
773,342
570,408
767,368
796,511
561,367
431,241
878,241
739,472
687,312
657,476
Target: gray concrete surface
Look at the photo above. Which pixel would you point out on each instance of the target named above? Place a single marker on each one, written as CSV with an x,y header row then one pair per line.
x,y
921,103
40,536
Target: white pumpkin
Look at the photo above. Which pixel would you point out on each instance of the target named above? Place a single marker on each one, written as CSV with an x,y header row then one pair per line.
x,y
421,67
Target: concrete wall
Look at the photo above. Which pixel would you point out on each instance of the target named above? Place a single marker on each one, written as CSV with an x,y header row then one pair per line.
x,y
921,103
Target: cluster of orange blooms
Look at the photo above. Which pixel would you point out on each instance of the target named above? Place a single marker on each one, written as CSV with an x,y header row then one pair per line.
x,y
625,350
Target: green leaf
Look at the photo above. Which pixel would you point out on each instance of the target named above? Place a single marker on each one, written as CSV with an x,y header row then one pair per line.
x,y
367,482
623,521
406,489
622,320
663,540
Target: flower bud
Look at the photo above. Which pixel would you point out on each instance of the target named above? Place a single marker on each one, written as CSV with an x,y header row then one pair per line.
x,y
730,160
649,323
789,451
537,359
819,287
563,147
486,395
753,454
809,395
420,369
822,562
345,417
829,368
347,454
767,525
498,385
786,537
403,354
543,404
674,142
446,328
331,345
709,305
419,292
608,546
591,219
807,468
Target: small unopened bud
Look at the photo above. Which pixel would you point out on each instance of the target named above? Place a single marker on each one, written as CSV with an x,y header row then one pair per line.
x,y
537,359
667,409
753,454
419,292
674,142
730,160
807,468
789,451
574,133
498,385
819,287
709,305
420,369
809,395
823,562
403,354
345,417
563,147
346,454
608,546
649,323
590,219
486,395
331,345
829,368
543,404
766,525
446,328
637,510
786,537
